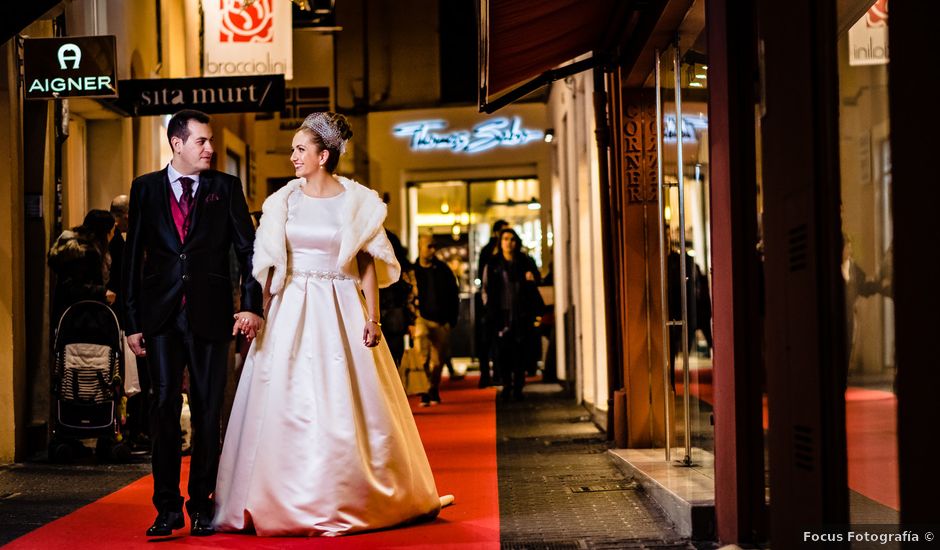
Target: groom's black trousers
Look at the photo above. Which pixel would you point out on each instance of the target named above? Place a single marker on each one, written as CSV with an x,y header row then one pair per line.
x,y
169,351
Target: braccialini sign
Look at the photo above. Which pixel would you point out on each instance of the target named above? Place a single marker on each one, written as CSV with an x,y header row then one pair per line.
x,y
247,37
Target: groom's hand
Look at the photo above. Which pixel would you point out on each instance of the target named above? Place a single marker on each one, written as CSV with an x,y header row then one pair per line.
x,y
136,343
248,324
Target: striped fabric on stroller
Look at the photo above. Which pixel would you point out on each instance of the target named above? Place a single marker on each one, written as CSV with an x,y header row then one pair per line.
x,y
86,381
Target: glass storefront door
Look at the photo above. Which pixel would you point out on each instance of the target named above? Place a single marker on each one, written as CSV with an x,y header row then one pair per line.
x,y
685,255
865,155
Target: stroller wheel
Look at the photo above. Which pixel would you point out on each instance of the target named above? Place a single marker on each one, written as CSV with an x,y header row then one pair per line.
x,y
103,449
120,452
60,452
108,450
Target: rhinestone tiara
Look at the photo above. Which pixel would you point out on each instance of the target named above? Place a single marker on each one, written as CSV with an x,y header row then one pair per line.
x,y
319,124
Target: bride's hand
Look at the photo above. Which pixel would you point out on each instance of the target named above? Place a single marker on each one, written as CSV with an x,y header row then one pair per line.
x,y
371,334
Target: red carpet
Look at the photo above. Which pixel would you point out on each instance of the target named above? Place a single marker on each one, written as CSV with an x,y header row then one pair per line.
x,y
871,436
871,419
459,436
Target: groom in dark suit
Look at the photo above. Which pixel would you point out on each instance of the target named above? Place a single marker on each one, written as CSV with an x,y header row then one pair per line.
x,y
183,222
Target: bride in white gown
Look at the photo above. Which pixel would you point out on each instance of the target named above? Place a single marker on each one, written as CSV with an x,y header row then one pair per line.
x,y
321,440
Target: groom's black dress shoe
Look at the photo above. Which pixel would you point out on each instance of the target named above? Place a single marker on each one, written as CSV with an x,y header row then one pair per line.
x,y
200,525
165,523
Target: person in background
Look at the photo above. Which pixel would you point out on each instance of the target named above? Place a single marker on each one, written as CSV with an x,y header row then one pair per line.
x,y
137,427
81,262
398,303
119,206
513,302
482,333
438,306
857,285
674,298
546,327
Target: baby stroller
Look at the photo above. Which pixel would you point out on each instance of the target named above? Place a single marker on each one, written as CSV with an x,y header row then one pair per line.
x,y
86,383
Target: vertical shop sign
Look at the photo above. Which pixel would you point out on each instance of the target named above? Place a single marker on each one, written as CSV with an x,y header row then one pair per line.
x,y
247,37
639,147
868,37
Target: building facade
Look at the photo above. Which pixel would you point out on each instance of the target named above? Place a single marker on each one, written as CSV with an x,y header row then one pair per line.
x,y
383,64
730,199
749,161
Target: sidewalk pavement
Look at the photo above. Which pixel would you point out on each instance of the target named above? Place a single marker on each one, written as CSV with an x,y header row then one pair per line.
x,y
558,489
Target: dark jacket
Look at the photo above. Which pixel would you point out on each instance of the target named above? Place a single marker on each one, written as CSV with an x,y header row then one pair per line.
x,y
487,255
159,269
698,296
438,295
116,275
397,304
80,270
512,301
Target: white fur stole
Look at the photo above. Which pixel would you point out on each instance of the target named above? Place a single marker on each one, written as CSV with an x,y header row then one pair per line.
x,y
363,218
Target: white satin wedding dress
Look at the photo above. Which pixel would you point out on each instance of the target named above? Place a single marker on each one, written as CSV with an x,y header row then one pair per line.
x,y
321,440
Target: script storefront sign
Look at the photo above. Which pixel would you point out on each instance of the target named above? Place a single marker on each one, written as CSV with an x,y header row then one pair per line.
x,y
497,132
237,94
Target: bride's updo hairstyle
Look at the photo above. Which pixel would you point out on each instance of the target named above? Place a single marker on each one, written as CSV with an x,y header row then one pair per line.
x,y
329,131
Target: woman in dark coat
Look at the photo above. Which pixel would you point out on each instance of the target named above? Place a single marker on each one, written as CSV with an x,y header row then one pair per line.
x,y
81,263
397,303
512,301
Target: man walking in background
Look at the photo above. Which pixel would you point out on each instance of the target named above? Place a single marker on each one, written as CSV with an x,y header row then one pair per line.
x,y
138,415
438,305
119,206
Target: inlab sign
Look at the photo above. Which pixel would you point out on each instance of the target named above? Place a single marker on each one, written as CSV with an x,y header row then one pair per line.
x,y
74,66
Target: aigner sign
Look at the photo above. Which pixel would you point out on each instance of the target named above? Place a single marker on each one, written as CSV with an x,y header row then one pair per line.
x,y
71,66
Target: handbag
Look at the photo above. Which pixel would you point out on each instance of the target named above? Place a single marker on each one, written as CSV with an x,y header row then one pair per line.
x,y
413,376
131,375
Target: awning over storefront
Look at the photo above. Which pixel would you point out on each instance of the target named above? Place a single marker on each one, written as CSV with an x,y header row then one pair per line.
x,y
20,17
523,42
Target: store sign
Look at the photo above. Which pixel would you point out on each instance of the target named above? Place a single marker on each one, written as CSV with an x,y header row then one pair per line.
x,y
234,94
245,38
639,147
73,66
497,132
691,125
868,37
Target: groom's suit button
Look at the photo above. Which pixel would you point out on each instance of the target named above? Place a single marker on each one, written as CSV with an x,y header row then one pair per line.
x,y
182,256
185,277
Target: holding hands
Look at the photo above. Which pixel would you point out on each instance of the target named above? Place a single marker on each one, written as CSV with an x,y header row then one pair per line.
x,y
248,324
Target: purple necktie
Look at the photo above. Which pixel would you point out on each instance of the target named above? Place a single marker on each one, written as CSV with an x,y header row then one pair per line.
x,y
186,202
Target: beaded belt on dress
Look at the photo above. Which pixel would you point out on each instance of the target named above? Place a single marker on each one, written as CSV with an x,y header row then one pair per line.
x,y
317,274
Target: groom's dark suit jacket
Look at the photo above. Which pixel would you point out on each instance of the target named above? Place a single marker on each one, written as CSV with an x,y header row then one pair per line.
x,y
160,269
